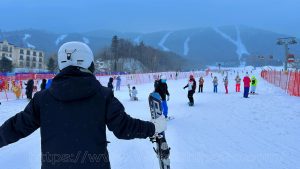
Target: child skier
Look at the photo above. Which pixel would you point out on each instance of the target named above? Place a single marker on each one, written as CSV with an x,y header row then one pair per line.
x,y
225,80
253,84
201,83
134,93
191,87
215,83
237,83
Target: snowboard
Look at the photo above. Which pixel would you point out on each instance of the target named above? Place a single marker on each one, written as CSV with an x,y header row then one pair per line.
x,y
162,149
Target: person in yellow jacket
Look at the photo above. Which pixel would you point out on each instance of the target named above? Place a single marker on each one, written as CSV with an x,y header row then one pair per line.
x,y
17,90
253,84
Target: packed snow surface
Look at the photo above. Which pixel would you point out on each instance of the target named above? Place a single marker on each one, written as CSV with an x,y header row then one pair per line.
x,y
221,131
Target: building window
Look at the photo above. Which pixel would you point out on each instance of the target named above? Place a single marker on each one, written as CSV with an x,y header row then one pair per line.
x,y
21,64
21,51
10,49
40,54
21,57
34,53
27,64
33,65
5,48
27,58
10,55
40,60
28,52
34,59
3,54
40,66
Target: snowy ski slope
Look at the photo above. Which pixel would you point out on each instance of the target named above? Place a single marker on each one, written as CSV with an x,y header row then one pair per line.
x,y
219,132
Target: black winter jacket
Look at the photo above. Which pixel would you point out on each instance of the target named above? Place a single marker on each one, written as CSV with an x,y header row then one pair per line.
x,y
72,116
162,89
110,83
29,85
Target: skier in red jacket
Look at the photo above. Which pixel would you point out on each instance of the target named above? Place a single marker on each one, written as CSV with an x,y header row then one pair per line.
x,y
247,82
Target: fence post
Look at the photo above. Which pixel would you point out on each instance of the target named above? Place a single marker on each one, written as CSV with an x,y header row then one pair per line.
x,y
298,75
294,92
280,79
287,81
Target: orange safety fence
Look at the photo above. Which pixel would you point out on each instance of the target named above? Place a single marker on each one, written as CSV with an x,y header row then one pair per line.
x,y
288,81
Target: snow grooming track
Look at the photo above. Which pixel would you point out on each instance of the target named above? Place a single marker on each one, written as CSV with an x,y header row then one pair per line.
x,y
220,132
27,36
137,40
163,40
60,39
186,48
86,40
240,47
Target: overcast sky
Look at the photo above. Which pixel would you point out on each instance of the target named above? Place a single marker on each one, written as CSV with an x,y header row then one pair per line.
x,y
148,15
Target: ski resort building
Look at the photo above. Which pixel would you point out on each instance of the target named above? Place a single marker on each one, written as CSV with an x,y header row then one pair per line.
x,y
22,57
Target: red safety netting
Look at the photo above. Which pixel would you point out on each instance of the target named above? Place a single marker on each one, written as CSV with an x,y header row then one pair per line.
x,y
288,81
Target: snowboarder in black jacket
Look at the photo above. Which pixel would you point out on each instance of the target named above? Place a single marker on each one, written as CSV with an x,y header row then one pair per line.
x,y
192,88
29,88
73,115
161,87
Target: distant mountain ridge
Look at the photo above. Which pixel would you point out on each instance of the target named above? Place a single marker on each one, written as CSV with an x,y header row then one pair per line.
x,y
202,46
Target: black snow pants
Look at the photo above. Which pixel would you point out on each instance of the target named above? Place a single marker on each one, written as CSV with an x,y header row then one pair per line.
x,y
201,88
190,96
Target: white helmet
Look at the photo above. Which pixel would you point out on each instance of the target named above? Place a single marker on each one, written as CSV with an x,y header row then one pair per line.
x,y
75,54
163,77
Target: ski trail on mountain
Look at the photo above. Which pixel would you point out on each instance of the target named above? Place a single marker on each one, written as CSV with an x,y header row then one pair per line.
x,y
60,38
186,48
86,40
241,48
163,40
137,40
29,45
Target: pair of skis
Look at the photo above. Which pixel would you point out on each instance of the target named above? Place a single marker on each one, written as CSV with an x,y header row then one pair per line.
x,y
162,149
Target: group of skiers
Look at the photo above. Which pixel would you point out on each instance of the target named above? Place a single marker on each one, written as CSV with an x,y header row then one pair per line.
x,y
30,88
118,83
247,84
16,87
161,87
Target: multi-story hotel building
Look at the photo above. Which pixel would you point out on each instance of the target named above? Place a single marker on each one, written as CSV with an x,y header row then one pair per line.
x,y
22,57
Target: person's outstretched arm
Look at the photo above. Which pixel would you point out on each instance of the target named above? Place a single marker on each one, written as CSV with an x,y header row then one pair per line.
x,y
122,125
20,125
